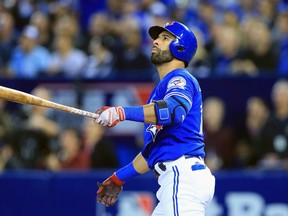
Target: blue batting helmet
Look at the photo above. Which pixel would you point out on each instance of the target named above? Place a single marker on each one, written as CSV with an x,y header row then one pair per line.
x,y
184,46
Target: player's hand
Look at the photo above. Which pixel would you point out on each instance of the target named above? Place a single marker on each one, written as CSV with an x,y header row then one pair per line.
x,y
110,116
109,190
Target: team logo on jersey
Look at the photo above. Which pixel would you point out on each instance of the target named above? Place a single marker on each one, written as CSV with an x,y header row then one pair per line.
x,y
154,130
177,82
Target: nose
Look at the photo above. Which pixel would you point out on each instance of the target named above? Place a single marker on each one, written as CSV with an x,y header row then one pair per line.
x,y
155,42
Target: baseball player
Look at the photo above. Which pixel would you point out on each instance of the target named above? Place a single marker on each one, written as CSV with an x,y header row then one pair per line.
x,y
173,136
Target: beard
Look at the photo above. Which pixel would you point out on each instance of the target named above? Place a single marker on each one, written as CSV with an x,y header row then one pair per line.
x,y
162,56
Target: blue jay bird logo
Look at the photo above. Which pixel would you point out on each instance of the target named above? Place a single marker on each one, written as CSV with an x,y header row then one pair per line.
x,y
176,82
154,130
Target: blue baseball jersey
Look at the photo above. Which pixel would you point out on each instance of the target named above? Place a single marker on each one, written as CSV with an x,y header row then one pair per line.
x,y
169,142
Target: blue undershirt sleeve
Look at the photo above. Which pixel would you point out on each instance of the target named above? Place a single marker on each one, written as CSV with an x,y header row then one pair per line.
x,y
134,113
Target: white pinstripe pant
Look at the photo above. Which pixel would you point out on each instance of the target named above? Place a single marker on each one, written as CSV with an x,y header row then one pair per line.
x,y
183,191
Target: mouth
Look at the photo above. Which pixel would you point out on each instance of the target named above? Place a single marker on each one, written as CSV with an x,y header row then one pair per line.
x,y
155,49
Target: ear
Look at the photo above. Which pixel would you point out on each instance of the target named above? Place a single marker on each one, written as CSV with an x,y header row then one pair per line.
x,y
176,48
180,48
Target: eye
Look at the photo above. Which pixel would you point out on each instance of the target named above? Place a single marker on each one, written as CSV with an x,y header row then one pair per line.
x,y
166,38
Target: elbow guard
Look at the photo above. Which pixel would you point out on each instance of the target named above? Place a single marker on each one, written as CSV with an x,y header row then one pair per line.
x,y
169,111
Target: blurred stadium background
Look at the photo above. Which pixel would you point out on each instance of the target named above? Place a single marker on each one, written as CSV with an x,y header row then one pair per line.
x,y
91,53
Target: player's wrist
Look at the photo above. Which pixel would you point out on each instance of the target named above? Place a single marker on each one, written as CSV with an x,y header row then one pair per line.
x,y
126,172
134,113
121,113
116,180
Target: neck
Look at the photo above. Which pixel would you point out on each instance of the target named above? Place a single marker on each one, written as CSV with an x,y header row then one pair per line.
x,y
165,68
64,51
28,49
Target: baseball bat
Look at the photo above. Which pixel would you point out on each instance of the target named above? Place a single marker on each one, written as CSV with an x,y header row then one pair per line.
x,y
16,96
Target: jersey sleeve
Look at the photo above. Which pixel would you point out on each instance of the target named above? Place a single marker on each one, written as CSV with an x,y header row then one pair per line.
x,y
181,86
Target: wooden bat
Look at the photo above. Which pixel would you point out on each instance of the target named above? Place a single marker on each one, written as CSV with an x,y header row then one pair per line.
x,y
16,96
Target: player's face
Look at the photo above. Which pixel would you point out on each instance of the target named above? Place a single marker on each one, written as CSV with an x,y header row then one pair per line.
x,y
160,52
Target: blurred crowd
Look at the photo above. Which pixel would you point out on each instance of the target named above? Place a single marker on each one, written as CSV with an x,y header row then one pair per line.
x,y
257,141
34,138
50,38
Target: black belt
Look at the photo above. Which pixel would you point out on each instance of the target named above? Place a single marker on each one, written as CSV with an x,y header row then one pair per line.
x,y
162,166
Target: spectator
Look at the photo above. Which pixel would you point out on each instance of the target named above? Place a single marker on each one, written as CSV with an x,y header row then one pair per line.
x,y
101,62
226,50
219,137
200,65
231,18
267,12
42,22
99,27
247,9
5,155
67,23
250,134
66,60
114,8
30,140
7,41
274,150
22,10
5,129
131,61
38,119
207,17
28,148
102,151
29,59
72,96
281,29
36,134
5,122
259,49
73,155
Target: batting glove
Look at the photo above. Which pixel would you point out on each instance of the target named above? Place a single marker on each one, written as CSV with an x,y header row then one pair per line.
x,y
109,190
110,116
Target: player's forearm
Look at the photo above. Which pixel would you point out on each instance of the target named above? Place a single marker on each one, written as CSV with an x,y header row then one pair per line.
x,y
137,167
172,110
140,164
149,114
144,113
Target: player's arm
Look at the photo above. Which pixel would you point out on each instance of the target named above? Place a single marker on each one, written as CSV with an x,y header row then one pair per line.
x,y
137,167
171,110
109,190
149,113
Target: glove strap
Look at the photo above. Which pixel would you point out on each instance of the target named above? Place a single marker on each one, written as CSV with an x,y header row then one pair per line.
x,y
116,180
121,113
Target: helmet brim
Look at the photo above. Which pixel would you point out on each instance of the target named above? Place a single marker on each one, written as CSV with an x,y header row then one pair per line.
x,y
154,31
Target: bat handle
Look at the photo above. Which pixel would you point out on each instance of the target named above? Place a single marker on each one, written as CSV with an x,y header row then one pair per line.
x,y
84,113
